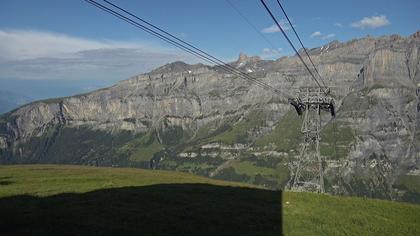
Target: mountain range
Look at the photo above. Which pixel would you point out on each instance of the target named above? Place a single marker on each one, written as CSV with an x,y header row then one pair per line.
x,y
205,120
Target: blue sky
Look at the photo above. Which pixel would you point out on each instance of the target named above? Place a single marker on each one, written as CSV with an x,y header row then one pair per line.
x,y
57,39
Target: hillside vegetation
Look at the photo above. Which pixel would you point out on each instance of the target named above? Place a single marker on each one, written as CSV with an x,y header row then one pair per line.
x,y
76,200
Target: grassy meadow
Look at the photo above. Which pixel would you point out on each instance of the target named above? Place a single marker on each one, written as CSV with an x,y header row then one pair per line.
x,y
78,200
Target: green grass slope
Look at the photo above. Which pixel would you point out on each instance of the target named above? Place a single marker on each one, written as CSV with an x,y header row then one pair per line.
x,y
314,214
75,200
47,180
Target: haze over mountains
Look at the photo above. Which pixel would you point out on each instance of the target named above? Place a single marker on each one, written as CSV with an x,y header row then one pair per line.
x,y
10,100
17,92
200,119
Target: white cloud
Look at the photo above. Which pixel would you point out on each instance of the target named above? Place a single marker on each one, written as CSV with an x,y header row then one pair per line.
x,y
328,36
338,25
182,35
316,34
269,53
271,29
46,55
274,29
21,44
371,22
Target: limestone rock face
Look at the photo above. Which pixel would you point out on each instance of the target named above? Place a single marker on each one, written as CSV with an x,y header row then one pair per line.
x,y
374,80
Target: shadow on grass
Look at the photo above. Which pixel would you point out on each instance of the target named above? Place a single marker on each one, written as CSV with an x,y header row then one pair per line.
x,y
166,209
5,182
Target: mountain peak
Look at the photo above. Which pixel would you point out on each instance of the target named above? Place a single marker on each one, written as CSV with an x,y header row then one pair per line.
x,y
415,35
177,66
243,58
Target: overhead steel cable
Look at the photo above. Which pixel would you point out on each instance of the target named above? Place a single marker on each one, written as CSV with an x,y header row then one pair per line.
x,y
188,50
300,41
291,44
252,25
219,62
143,28
183,47
136,24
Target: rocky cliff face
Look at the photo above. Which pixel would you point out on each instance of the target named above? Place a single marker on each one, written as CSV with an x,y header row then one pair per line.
x,y
201,119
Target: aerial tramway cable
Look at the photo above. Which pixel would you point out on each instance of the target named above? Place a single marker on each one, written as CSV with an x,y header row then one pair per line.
x,y
300,41
156,34
179,43
293,47
252,25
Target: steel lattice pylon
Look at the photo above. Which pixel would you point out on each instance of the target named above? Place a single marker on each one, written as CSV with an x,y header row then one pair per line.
x,y
307,173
